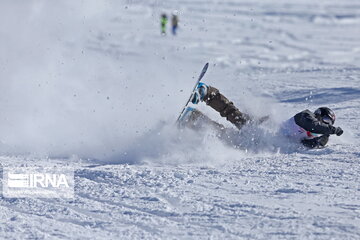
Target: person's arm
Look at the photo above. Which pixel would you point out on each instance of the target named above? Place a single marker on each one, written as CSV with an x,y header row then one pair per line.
x,y
318,142
309,122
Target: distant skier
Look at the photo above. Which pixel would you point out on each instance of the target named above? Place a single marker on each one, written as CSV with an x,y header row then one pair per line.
x,y
310,129
174,23
163,23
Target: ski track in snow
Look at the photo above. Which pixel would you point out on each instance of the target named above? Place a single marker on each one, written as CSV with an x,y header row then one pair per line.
x,y
136,177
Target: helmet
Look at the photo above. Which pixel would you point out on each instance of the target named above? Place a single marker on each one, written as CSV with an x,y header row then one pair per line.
x,y
325,114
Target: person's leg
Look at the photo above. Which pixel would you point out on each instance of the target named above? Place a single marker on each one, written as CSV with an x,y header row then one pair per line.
x,y
196,120
221,104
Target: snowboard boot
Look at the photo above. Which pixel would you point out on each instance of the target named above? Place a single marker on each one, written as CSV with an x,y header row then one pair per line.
x,y
199,93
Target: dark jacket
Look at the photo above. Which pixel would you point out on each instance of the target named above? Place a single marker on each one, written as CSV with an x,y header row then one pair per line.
x,y
308,121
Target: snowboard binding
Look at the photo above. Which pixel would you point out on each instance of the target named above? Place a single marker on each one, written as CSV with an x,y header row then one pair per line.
x,y
199,93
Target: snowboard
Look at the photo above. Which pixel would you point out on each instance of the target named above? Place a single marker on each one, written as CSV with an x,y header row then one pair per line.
x,y
203,71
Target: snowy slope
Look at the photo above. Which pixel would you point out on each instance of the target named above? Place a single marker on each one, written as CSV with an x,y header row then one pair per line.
x,y
94,85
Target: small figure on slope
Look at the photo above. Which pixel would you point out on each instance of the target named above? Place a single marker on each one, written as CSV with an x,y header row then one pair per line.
x,y
174,22
163,22
312,129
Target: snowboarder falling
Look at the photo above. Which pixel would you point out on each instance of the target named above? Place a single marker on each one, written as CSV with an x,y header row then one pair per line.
x,y
174,23
163,22
312,129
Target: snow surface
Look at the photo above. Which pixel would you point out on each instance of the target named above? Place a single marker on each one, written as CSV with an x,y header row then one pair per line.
x,y
93,85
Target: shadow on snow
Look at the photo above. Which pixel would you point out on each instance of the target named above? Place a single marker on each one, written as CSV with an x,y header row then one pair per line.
x,y
320,96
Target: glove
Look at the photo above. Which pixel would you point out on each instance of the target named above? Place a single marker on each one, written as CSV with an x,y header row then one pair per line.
x,y
318,142
323,140
338,131
199,93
